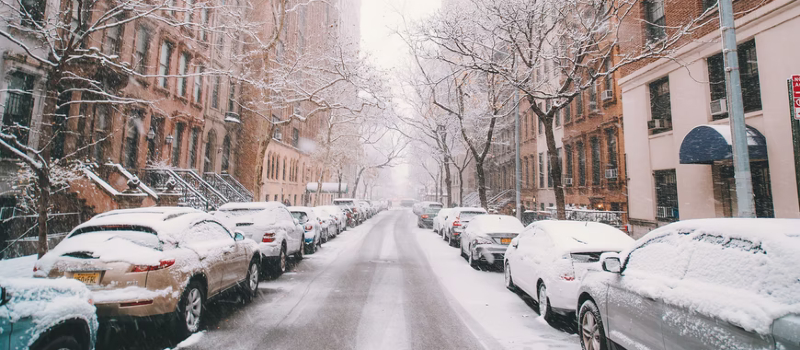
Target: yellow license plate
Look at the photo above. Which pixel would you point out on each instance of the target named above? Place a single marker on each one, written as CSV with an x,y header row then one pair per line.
x,y
505,240
87,277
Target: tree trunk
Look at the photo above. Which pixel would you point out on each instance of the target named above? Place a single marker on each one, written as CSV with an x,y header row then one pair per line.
x,y
319,188
448,182
358,178
461,187
555,167
43,181
481,183
339,190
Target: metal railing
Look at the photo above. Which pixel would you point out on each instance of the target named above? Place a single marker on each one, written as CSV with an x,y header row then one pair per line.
x,y
163,179
238,186
225,188
215,198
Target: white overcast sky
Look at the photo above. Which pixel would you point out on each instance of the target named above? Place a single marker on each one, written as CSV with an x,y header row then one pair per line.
x,y
379,18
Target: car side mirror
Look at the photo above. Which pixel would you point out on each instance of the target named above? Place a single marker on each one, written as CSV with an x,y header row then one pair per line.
x,y
515,243
296,222
3,296
238,236
612,264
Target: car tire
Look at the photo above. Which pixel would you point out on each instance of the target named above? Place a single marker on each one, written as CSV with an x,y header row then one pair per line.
x,y
311,249
591,333
463,255
472,262
509,281
64,342
544,303
444,235
279,265
323,237
191,309
300,251
249,287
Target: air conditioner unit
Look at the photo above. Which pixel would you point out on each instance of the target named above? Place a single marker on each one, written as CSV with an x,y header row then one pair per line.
x,y
567,181
719,107
607,95
611,173
657,124
664,212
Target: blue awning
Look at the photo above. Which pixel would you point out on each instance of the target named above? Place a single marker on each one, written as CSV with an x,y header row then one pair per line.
x,y
706,144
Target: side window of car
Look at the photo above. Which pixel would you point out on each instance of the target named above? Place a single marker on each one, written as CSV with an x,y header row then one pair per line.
x,y
665,256
207,231
745,263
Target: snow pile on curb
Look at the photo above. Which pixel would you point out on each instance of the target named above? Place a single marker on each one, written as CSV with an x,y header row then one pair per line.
x,y
18,267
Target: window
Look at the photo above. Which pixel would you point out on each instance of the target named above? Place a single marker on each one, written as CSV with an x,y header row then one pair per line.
x,y
231,96
666,195
525,173
193,147
35,12
183,67
707,4
198,84
226,153
611,146
655,20
596,167
295,138
541,169
560,162
660,107
581,163
568,165
163,63
592,98
18,108
579,105
112,43
187,15
132,140
748,72
204,19
211,144
549,171
541,125
609,80
284,169
567,112
176,144
142,46
157,126
276,133
215,92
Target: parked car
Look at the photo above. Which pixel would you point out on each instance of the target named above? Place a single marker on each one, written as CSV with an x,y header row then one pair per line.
x,y
531,216
363,207
327,223
457,220
425,219
40,314
314,234
549,258
339,216
487,237
439,220
155,263
272,226
351,204
420,208
698,284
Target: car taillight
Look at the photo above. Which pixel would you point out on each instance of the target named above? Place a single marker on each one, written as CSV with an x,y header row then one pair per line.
x,y
456,223
162,264
568,276
355,210
269,237
309,227
424,216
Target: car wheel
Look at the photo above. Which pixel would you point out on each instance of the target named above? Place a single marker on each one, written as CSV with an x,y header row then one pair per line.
x,y
279,266
300,252
250,285
544,303
323,237
471,260
509,281
190,309
64,342
463,255
592,332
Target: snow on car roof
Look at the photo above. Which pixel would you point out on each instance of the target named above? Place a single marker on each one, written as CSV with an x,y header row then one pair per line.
x,y
164,220
298,208
491,223
251,205
584,236
475,209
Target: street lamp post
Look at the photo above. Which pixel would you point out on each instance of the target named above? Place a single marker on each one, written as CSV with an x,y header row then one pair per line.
x,y
517,162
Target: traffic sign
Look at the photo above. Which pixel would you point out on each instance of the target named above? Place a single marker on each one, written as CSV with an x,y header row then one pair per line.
x,y
796,95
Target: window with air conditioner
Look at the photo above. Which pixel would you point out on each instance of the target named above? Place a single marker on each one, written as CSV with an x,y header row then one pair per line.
x,y
660,106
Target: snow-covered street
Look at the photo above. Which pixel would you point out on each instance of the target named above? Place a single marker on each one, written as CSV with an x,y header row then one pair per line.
x,y
383,285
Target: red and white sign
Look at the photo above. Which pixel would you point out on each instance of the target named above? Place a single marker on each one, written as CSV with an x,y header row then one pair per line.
x,y
796,95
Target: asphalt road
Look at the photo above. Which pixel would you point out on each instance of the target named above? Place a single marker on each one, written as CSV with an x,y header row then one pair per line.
x,y
370,288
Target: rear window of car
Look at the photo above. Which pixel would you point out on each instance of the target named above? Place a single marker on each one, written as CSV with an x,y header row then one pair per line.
x,y
436,206
433,210
300,216
466,215
343,203
240,212
140,235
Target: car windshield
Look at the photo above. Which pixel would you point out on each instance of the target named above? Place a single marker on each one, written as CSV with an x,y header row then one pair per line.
x,y
140,235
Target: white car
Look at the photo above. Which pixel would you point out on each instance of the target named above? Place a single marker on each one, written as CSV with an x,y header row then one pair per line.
x,y
338,214
439,220
457,220
271,225
549,258
327,223
487,237
313,235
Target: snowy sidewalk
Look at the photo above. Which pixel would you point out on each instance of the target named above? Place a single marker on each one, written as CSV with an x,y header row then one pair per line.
x,y
18,267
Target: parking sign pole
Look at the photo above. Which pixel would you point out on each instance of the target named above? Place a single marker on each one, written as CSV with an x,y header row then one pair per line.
x,y
793,85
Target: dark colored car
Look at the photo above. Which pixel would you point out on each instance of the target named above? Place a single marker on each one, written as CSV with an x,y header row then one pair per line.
x,y
425,220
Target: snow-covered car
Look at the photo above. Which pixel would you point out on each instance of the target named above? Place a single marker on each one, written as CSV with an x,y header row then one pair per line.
x,y
155,263
439,220
486,238
339,216
458,220
327,223
425,219
314,234
272,226
549,258
698,284
351,204
40,314
365,208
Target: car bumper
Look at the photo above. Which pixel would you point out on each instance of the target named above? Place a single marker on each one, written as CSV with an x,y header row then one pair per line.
x,y
489,253
563,296
117,309
269,250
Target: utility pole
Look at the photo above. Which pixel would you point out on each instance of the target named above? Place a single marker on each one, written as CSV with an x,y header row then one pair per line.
x,y
517,182
741,158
